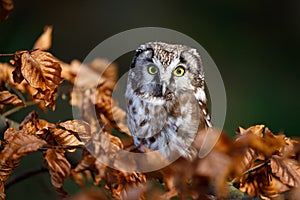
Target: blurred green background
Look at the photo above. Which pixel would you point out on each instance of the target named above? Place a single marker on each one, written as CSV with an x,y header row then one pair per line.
x,y
255,45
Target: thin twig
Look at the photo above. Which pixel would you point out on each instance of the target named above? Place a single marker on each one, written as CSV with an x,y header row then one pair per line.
x,y
17,108
24,175
256,167
45,148
6,54
17,53
252,170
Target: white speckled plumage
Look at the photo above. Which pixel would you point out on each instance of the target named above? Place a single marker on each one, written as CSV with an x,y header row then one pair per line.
x,y
169,120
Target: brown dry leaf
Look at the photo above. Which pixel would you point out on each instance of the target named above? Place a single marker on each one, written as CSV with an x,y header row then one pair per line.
x,y
87,162
45,40
6,7
261,183
17,145
261,140
65,138
78,178
103,148
216,166
29,124
42,72
110,114
7,98
95,91
51,132
99,71
268,161
287,170
194,177
82,128
2,195
59,168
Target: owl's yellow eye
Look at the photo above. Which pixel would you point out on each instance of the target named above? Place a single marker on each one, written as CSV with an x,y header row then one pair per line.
x,y
179,71
152,69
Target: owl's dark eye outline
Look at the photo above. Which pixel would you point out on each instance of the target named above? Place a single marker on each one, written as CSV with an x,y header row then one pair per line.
x,y
179,71
152,69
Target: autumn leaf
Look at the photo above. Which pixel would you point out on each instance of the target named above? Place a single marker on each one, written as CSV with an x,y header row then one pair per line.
x,y
82,128
65,138
87,163
270,163
7,98
17,146
287,170
261,140
6,7
92,95
41,71
262,183
45,40
59,168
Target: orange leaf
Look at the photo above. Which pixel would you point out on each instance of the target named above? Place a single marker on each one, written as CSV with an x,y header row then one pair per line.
x,y
7,98
65,138
17,145
42,72
58,166
45,40
82,128
287,170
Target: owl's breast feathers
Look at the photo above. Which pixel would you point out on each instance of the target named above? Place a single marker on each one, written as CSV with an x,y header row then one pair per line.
x,y
167,127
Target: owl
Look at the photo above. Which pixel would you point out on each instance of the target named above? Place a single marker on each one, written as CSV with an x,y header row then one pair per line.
x,y
165,97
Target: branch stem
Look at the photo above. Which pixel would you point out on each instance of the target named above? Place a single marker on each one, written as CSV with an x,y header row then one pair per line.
x,y
17,108
24,175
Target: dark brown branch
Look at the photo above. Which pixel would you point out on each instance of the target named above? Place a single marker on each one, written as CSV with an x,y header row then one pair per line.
x,y
45,148
24,175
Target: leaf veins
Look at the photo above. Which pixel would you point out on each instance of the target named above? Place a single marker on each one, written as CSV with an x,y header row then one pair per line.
x,y
42,72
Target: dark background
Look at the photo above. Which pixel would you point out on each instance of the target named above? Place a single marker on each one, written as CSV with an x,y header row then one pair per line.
x,y
255,45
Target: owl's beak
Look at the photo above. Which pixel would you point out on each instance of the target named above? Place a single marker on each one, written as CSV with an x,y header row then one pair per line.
x,y
163,88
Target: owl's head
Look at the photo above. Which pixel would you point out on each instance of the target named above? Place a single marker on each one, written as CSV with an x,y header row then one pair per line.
x,y
159,70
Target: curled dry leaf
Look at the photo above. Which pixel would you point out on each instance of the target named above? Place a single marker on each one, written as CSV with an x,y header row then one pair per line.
x,y
65,138
59,167
41,71
103,148
45,40
262,184
95,91
6,7
7,98
86,164
110,114
82,128
261,140
269,163
17,146
52,133
286,170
